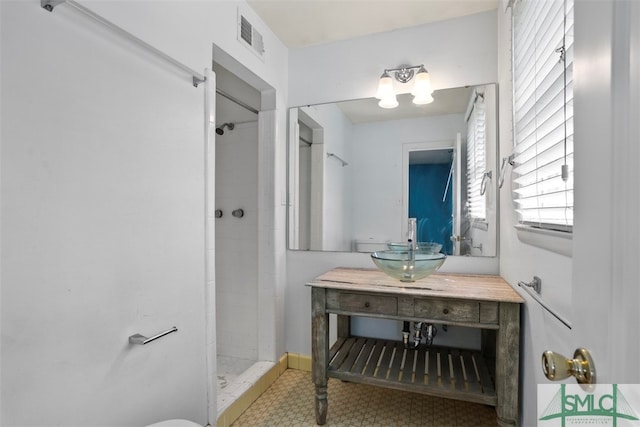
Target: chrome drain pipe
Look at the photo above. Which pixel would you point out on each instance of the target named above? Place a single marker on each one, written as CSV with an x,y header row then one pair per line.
x,y
420,330
430,332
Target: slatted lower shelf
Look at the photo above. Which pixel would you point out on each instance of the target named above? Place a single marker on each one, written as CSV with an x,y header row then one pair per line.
x,y
441,371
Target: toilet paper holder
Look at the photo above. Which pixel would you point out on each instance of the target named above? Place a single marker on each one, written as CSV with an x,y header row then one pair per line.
x,y
142,340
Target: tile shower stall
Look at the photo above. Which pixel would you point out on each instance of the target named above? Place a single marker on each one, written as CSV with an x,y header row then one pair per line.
x,y
236,239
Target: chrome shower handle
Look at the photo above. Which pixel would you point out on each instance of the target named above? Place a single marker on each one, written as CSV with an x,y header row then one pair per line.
x,y
142,340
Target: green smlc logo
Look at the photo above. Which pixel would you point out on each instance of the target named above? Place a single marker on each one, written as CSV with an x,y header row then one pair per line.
x,y
583,408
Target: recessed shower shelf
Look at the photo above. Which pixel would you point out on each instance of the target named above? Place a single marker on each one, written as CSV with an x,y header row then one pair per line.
x,y
440,371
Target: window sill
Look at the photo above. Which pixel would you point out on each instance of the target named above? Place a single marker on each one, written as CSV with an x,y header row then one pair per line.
x,y
555,241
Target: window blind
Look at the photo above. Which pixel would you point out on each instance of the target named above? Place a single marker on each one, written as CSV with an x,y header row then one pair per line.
x,y
476,164
543,112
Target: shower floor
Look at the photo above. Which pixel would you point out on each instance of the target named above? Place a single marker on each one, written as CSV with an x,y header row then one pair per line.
x,y
230,368
237,375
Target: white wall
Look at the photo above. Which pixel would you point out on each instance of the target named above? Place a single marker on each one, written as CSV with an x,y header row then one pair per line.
x,y
103,229
103,211
350,70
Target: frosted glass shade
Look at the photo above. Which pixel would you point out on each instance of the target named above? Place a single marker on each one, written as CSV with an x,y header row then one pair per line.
x,y
389,101
422,85
423,99
385,87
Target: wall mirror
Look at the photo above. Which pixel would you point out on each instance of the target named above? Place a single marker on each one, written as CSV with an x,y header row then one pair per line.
x,y
357,172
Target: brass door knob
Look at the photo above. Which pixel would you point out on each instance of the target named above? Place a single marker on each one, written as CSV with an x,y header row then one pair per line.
x,y
556,367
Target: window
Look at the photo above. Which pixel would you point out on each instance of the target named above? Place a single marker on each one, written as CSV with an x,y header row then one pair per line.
x,y
543,113
476,165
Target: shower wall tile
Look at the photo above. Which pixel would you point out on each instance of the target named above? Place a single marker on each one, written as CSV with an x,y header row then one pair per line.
x,y
240,180
230,230
237,331
240,277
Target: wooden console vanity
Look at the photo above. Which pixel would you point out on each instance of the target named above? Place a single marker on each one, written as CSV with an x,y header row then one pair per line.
x,y
488,376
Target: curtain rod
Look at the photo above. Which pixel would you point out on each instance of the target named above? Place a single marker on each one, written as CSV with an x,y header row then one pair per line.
x,y
236,100
306,141
50,5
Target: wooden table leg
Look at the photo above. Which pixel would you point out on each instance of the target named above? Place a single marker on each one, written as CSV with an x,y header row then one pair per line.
x,y
508,364
320,351
344,326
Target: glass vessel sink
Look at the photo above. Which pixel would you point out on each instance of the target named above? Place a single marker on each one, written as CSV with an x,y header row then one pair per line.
x,y
427,247
401,266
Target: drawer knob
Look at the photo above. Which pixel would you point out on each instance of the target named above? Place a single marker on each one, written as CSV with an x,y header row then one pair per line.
x,y
445,311
367,305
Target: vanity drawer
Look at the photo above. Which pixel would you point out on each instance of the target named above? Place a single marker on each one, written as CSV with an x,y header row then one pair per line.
x,y
364,303
447,310
489,312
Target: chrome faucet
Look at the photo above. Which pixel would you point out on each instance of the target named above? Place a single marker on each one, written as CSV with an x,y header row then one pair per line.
x,y
411,246
411,234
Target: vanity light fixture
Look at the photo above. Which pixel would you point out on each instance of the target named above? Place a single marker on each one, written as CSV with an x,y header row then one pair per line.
x,y
421,91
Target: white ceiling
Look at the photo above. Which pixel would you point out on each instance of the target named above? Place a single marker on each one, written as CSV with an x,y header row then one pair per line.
x,y
300,23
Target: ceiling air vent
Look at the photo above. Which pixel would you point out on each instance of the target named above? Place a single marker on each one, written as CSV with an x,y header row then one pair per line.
x,y
248,35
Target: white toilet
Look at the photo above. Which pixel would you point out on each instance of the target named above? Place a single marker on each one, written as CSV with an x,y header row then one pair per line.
x,y
370,245
175,423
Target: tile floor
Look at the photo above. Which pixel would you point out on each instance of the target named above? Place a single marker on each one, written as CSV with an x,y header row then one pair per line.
x,y
290,402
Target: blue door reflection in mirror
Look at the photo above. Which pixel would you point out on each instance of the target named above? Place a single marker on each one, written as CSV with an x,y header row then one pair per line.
x,y
430,196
